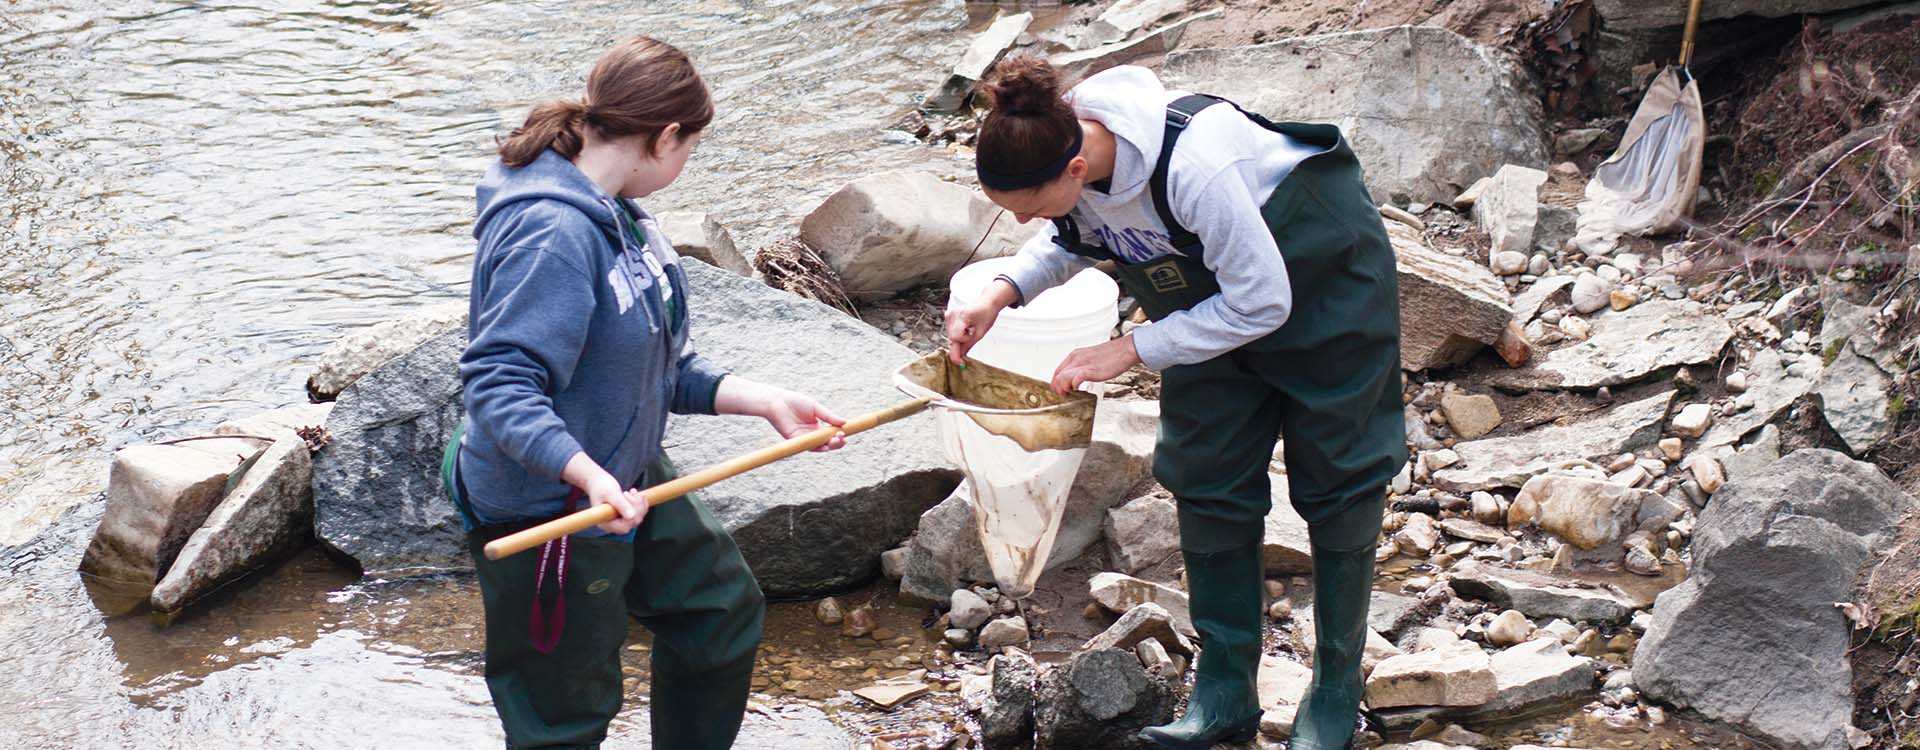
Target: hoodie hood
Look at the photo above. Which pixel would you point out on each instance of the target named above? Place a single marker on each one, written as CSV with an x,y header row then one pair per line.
x,y
1132,103
550,176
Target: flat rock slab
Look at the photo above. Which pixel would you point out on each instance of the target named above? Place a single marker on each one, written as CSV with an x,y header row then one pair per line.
x,y
1120,593
1626,346
1773,384
268,515
1752,638
1853,398
1456,675
1428,111
1145,621
889,695
1528,303
1539,595
817,522
157,498
1651,14
1450,307
1511,460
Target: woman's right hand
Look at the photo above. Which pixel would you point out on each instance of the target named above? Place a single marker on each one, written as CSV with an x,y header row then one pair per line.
x,y
967,324
631,505
602,489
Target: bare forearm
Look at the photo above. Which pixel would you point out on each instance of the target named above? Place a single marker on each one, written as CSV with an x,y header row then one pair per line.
x,y
738,395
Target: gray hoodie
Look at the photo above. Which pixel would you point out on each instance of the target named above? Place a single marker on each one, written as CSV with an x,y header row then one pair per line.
x,y
1224,167
577,340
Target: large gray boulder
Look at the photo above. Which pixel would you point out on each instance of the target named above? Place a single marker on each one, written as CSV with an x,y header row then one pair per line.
x,y
817,522
889,232
1752,637
1100,699
377,497
1450,307
1428,111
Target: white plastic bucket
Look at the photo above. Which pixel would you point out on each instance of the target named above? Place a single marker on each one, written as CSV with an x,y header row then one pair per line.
x,y
1032,339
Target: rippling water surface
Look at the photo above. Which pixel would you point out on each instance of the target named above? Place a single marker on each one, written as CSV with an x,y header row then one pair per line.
x,y
197,198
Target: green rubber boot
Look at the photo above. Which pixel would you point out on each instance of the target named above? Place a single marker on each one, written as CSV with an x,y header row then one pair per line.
x,y
1226,589
1342,587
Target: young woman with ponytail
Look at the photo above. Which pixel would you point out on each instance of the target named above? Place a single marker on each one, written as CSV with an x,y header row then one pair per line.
x,y
1255,248
578,349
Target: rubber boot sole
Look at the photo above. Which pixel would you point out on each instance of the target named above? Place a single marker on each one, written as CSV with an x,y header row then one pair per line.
x,y
1242,731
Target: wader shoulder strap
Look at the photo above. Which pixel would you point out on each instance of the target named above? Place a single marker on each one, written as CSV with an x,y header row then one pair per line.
x,y
1179,114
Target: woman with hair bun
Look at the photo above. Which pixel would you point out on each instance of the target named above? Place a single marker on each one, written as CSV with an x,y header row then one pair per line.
x,y
1257,252
578,349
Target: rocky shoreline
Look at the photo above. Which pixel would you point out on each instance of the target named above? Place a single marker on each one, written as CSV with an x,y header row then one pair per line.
x,y
1642,479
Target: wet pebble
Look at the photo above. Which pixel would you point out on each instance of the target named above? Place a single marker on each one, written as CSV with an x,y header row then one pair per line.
x,y
828,611
858,623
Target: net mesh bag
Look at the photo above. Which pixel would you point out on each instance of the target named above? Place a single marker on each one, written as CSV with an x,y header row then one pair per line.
x,y
1648,186
1019,445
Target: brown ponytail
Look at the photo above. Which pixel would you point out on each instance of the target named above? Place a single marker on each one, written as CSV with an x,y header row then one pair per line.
x,y
636,89
1030,125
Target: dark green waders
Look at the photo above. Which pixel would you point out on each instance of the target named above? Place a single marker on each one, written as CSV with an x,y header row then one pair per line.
x,y
1329,381
681,576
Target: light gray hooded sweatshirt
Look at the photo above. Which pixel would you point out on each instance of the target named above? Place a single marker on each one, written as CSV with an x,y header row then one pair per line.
x,y
1224,167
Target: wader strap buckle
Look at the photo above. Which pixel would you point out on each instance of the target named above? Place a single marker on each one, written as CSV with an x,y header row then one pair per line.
x,y
544,627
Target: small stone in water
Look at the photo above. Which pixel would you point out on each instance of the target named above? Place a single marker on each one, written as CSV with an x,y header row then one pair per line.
x,y
858,623
828,612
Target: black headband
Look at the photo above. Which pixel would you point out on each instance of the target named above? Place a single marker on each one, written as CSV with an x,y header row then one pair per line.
x,y
1041,176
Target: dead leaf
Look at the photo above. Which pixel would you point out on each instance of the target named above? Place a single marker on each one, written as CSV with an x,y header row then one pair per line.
x,y
1863,616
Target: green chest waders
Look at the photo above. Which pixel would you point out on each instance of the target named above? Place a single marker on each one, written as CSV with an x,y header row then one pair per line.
x,y
680,575
1329,380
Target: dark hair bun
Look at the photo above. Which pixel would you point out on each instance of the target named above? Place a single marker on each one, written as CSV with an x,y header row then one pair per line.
x,y
1023,85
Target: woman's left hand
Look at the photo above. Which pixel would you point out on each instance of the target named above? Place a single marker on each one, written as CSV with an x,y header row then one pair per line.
x,y
1094,364
793,414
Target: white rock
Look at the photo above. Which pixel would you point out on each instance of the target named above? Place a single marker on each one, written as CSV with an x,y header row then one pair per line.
x,y
698,235
1693,420
1590,293
1009,631
1509,209
1458,675
968,609
1509,628
1508,263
